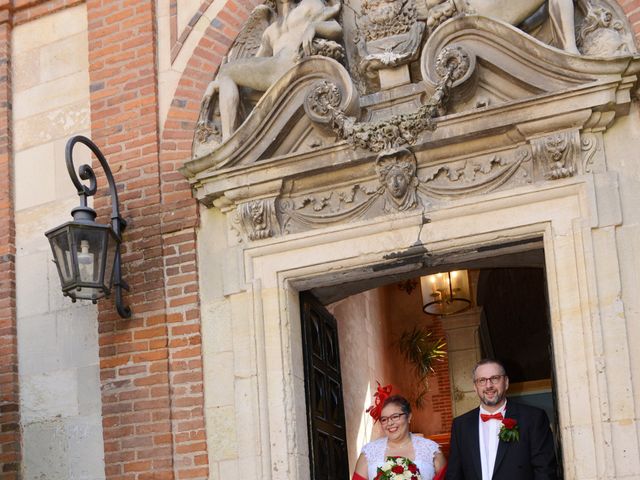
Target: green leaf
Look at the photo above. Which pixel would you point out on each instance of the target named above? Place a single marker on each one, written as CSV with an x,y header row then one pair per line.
x,y
421,351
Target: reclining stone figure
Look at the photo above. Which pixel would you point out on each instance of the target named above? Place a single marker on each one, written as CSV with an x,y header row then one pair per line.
x,y
513,12
292,31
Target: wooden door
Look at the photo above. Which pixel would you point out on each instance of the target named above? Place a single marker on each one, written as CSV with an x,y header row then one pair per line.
x,y
325,409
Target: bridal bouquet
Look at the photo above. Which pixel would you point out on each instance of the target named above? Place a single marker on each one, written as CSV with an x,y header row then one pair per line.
x,y
398,468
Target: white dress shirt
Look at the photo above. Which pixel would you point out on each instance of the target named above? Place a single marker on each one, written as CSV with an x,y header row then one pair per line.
x,y
489,440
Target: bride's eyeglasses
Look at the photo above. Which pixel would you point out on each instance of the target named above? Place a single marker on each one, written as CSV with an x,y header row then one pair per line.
x,y
391,418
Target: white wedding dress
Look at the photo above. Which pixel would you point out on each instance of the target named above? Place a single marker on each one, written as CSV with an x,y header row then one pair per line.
x,y
424,449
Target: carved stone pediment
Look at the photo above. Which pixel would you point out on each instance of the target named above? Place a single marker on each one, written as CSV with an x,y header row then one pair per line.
x,y
511,65
492,108
279,111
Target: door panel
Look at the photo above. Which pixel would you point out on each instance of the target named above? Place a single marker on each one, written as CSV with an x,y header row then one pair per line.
x,y
323,386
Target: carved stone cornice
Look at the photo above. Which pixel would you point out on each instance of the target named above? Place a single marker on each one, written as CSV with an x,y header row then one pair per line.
x,y
283,171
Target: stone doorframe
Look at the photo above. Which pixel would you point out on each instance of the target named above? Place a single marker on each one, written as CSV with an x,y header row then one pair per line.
x,y
576,219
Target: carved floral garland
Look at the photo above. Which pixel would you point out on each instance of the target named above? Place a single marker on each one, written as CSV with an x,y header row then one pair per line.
x,y
324,100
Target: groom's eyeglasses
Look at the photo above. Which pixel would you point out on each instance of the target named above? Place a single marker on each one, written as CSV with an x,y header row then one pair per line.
x,y
482,381
391,418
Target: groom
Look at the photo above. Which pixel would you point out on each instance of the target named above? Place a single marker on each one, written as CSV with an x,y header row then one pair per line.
x,y
483,447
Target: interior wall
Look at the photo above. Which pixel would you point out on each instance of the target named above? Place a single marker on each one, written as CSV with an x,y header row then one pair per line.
x,y
404,312
373,322
364,360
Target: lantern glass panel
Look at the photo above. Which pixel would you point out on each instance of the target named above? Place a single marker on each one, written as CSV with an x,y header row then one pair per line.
x,y
89,244
61,247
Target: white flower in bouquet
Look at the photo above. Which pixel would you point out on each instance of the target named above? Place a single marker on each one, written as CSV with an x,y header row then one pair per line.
x,y
398,468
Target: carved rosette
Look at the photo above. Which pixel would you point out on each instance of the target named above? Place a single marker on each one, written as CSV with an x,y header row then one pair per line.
x,y
557,155
258,219
324,99
454,59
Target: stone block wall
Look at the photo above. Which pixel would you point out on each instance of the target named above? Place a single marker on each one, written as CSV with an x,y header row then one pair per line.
x,y
58,343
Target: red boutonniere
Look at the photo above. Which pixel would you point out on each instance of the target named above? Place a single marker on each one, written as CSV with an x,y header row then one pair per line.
x,y
509,431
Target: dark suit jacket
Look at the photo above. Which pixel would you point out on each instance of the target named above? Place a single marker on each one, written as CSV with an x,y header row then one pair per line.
x,y
530,458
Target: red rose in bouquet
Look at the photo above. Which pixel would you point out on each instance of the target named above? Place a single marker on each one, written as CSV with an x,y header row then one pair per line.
x,y
397,468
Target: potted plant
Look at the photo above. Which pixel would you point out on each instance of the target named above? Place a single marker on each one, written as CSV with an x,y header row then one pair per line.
x,y
421,351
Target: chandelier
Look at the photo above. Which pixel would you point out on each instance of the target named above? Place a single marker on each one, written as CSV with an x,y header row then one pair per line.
x,y
445,293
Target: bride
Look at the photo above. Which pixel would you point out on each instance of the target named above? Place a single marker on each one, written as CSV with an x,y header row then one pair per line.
x,y
398,446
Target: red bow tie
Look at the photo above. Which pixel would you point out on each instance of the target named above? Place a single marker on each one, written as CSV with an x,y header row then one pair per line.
x,y
495,416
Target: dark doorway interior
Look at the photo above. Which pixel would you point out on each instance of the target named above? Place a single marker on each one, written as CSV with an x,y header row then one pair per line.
x,y
515,325
515,328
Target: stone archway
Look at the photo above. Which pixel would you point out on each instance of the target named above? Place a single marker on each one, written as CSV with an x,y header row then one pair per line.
x,y
275,272
521,154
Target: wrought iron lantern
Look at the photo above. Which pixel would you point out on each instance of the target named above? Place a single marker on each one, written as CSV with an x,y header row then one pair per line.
x,y
445,293
86,253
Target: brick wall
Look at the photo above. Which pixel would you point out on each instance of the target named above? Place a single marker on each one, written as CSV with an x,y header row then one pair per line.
x,y
10,454
632,9
441,401
179,219
150,364
26,10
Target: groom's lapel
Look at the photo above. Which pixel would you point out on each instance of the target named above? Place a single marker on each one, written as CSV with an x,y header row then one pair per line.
x,y
474,432
510,412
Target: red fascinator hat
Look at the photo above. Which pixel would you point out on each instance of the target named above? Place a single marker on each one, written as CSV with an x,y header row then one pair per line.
x,y
382,393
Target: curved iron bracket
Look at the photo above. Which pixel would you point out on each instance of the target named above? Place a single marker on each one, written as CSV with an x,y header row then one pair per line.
x,y
118,224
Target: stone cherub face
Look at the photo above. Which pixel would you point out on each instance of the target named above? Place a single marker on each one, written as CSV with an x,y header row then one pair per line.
x,y
397,181
397,175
